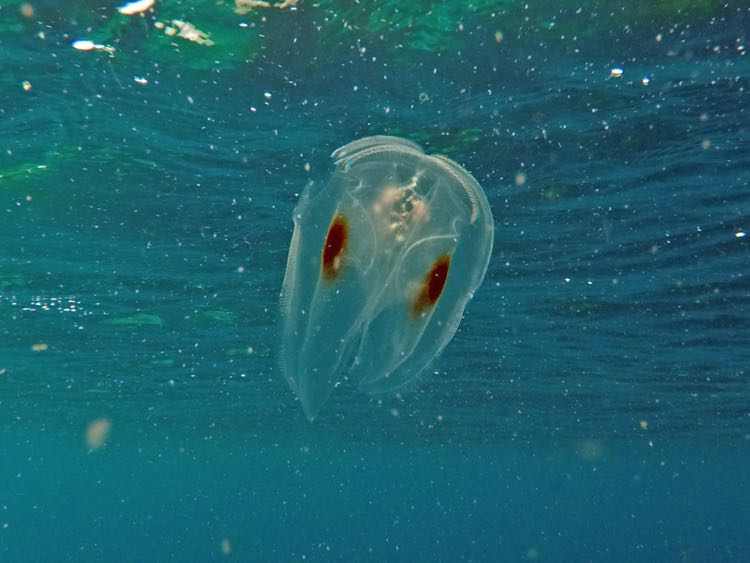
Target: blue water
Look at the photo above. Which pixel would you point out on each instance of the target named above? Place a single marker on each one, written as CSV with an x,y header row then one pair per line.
x,y
595,403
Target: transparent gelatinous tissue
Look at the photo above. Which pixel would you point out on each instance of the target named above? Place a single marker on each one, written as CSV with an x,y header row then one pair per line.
x,y
383,259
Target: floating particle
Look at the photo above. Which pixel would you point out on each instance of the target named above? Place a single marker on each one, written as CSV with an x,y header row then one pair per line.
x,y
616,72
2,371
267,95
26,85
644,424
705,144
498,36
307,167
740,234
520,179
226,547
645,80
40,347
659,37
132,8
244,6
140,80
191,33
27,10
97,433
84,45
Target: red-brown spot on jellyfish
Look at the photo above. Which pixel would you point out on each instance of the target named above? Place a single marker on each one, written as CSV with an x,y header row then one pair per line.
x,y
432,286
334,248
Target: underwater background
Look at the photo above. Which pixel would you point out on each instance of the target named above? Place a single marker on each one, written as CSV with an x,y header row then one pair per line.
x,y
595,402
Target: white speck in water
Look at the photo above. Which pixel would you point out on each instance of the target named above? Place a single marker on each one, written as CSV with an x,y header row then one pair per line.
x,y
84,45
132,8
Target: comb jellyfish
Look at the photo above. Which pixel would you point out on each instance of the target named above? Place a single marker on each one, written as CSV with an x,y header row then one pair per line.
x,y
383,260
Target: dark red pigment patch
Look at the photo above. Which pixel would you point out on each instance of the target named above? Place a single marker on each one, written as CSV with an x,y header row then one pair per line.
x,y
334,248
432,286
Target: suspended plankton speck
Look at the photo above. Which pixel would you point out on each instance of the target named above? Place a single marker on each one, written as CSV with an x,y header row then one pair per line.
x,y
132,8
267,95
740,234
26,85
645,80
616,72
140,80
97,433
84,45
